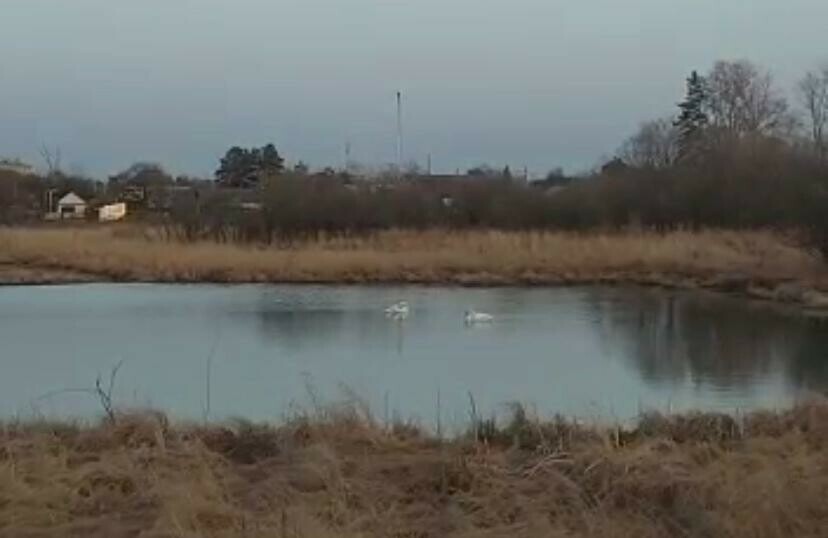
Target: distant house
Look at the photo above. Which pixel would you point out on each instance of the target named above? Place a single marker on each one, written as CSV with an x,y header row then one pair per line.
x,y
615,167
133,194
165,198
553,184
16,166
71,206
112,212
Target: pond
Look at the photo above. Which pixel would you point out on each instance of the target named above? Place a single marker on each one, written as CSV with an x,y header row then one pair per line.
x,y
260,352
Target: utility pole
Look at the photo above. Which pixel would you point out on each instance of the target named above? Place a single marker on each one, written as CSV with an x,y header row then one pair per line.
x,y
50,200
429,164
399,134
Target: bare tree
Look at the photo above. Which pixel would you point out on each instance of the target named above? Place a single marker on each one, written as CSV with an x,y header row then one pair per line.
x,y
813,92
655,145
743,101
143,173
51,158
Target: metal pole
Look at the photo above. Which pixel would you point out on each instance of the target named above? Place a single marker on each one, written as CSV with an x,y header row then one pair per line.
x,y
399,135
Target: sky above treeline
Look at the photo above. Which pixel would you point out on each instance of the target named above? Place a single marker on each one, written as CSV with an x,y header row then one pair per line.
x,y
537,83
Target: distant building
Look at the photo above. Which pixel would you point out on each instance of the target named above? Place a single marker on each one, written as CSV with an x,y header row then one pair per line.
x,y
16,166
436,178
553,184
112,212
615,167
165,198
71,206
133,194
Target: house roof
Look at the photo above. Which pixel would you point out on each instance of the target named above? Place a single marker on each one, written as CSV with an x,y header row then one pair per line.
x,y
71,199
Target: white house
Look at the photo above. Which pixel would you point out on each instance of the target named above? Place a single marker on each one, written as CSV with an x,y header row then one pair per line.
x,y
112,212
71,206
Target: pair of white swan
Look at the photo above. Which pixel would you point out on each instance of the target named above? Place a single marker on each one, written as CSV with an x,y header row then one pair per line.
x,y
401,309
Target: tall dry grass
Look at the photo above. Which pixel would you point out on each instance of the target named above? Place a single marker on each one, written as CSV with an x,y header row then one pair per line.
x,y
345,476
425,257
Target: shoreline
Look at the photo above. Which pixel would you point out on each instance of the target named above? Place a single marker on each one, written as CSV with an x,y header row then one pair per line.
x,y
23,275
783,292
753,265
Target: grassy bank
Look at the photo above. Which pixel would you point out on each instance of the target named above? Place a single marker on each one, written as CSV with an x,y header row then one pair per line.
x,y
399,256
342,475
710,259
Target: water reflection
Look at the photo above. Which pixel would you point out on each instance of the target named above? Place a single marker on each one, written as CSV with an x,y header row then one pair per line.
x,y
595,351
299,329
808,368
728,344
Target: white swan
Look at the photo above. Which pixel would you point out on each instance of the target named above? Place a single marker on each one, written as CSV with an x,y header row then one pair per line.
x,y
473,317
398,310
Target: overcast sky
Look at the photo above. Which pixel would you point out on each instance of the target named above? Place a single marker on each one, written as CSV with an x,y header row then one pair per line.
x,y
525,82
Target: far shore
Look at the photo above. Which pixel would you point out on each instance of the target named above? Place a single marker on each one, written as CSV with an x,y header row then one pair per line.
x,y
759,265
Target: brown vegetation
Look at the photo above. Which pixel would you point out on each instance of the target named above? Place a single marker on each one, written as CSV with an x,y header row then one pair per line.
x,y
343,475
719,259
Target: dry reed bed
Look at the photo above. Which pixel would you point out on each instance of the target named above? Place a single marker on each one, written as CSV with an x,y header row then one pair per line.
x,y
345,476
679,258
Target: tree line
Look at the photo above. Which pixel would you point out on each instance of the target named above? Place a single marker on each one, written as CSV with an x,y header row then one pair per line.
x,y
734,102
736,153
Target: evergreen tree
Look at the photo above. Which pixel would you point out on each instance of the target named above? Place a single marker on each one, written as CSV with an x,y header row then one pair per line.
x,y
242,167
693,119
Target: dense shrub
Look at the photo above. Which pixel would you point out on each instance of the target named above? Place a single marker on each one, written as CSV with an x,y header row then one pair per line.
x,y
761,183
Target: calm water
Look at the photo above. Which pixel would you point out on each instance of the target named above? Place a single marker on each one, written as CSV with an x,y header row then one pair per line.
x,y
590,352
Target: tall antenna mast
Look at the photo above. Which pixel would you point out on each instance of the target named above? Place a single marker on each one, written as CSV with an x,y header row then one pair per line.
x,y
399,134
